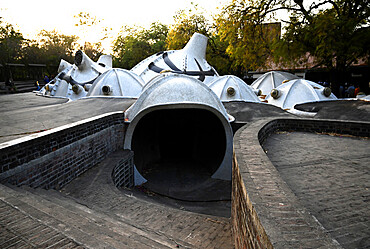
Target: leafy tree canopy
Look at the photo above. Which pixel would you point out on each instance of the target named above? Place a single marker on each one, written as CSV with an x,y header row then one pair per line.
x,y
335,37
85,23
192,20
57,46
85,19
134,44
93,50
335,33
11,43
247,29
244,36
187,22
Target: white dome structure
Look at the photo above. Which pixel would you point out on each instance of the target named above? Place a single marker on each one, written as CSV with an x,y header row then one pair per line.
x,y
71,79
232,88
85,70
191,61
59,88
56,88
64,66
105,60
171,89
116,82
298,91
179,120
271,80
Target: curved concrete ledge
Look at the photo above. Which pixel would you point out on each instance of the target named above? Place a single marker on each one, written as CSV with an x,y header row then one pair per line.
x,y
265,211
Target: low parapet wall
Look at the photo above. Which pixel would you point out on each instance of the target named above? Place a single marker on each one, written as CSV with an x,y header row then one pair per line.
x,y
55,157
265,211
359,129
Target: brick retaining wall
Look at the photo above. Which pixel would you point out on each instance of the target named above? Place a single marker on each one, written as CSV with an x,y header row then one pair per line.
x,y
53,158
265,211
359,129
247,229
123,170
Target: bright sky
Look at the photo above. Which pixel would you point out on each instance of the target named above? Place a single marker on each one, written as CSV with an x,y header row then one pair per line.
x,y
32,16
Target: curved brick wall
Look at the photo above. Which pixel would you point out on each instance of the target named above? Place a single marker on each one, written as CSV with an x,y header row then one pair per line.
x,y
265,212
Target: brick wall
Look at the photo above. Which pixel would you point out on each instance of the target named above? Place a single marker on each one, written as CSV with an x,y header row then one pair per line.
x,y
53,158
247,229
265,212
360,129
123,171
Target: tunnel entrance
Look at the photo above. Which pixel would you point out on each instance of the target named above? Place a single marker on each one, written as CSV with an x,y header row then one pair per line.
x,y
178,150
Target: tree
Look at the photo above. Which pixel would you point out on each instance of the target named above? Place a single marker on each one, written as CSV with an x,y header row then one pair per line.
x,y
134,44
335,33
33,53
335,37
190,21
187,22
85,23
218,58
156,36
57,46
93,50
85,19
242,25
11,43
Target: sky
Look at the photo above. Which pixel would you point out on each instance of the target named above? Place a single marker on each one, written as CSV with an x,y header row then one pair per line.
x,y
30,17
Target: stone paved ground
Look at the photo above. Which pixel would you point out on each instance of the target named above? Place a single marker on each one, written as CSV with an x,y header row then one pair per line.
x,y
331,177
92,213
188,229
19,230
24,114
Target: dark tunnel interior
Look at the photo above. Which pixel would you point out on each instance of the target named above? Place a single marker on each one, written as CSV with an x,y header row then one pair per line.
x,y
178,145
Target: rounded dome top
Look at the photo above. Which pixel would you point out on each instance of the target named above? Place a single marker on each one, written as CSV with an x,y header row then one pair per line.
x,y
230,88
271,80
298,91
117,82
105,60
180,90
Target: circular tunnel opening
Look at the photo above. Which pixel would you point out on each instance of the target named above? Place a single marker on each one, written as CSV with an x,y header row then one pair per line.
x,y
178,150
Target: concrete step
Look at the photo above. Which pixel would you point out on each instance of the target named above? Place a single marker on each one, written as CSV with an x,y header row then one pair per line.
x,y
22,86
26,89
87,227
